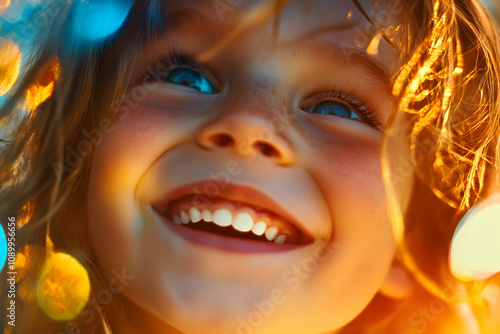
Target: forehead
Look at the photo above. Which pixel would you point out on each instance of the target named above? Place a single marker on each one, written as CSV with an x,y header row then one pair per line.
x,y
364,25
310,12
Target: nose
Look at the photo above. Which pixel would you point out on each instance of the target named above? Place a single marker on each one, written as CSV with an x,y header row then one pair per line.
x,y
248,135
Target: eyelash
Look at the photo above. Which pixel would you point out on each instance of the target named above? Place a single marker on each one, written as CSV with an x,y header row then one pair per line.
x,y
178,59
358,106
163,65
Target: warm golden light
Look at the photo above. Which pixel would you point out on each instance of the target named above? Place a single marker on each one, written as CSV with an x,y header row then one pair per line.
x,y
37,94
372,48
10,65
4,4
63,287
475,249
52,73
28,262
393,33
43,89
26,215
258,17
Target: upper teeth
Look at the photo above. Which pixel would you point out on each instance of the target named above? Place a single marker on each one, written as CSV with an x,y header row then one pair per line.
x,y
194,215
242,222
259,228
206,215
184,218
222,217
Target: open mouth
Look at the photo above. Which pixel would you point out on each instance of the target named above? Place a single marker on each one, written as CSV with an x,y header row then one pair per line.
x,y
232,219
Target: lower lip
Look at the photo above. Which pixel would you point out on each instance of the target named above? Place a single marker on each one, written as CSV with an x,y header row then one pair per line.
x,y
228,244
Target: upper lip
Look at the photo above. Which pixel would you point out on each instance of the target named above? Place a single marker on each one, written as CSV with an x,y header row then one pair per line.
x,y
235,193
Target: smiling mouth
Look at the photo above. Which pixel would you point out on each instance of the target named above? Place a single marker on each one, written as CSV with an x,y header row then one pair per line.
x,y
232,219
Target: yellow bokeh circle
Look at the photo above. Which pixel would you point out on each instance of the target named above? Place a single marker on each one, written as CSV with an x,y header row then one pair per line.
x,y
63,287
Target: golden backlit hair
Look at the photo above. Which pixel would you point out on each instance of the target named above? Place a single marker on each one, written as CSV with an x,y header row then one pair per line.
x,y
448,111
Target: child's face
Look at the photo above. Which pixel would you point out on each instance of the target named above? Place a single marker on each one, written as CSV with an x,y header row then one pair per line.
x,y
276,131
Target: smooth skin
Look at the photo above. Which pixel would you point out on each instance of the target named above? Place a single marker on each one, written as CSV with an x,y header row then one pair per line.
x,y
290,115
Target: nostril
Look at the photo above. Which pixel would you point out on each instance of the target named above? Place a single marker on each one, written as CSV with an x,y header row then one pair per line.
x,y
222,139
266,149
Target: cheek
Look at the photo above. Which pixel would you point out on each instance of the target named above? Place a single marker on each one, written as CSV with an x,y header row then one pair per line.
x,y
355,193
353,186
135,140
351,181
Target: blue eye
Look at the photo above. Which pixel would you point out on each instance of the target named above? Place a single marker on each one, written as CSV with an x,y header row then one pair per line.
x,y
339,104
334,108
190,78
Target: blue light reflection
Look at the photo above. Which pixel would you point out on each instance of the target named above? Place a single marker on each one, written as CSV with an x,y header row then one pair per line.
x,y
99,18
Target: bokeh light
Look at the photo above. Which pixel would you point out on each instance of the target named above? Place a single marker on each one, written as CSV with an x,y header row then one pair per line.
x,y
3,248
99,18
8,330
63,287
25,216
372,48
10,65
37,94
42,90
4,4
21,12
28,262
475,248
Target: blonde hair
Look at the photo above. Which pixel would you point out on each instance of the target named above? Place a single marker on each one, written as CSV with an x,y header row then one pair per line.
x,y
34,170
448,108
449,87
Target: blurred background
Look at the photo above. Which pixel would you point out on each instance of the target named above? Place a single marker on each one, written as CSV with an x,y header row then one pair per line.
x,y
494,7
